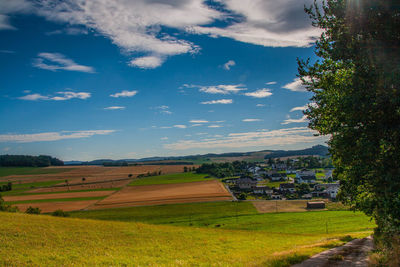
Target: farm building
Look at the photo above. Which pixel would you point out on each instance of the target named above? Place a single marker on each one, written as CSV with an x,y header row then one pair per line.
x,y
316,205
287,187
246,183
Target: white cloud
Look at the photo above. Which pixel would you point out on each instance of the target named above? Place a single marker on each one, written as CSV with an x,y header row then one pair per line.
x,y
289,136
57,61
125,93
180,126
196,125
289,120
270,83
260,105
198,121
148,62
299,108
163,109
70,31
270,23
251,120
67,95
51,136
296,86
224,89
229,64
9,7
221,101
164,138
166,112
262,93
114,108
215,126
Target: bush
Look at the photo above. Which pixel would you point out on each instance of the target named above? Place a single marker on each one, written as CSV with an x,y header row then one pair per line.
x,y
242,196
7,207
32,210
60,213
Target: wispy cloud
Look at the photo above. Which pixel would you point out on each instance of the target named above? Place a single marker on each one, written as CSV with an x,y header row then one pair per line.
x,y
114,108
251,120
296,86
124,93
215,126
61,96
262,93
51,136
180,126
224,89
299,108
57,61
163,109
11,7
149,62
260,105
289,120
164,138
289,136
198,121
229,64
7,51
69,31
270,83
221,101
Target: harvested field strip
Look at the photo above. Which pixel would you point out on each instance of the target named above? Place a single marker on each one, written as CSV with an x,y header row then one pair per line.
x,y
59,196
53,200
70,191
6,171
52,206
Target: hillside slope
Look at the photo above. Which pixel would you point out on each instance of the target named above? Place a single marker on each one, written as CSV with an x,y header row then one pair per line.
x,y
40,240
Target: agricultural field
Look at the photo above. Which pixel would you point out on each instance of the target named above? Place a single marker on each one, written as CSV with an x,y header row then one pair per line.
x,y
278,239
185,177
81,187
6,171
211,190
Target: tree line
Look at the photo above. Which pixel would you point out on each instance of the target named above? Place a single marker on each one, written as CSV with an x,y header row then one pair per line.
x,y
29,161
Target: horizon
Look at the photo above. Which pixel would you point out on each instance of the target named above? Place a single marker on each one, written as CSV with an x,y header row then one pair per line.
x,y
153,79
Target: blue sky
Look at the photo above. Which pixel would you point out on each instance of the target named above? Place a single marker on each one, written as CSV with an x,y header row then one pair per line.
x,y
129,79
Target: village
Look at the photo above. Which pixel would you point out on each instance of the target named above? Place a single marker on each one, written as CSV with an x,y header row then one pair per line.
x,y
279,182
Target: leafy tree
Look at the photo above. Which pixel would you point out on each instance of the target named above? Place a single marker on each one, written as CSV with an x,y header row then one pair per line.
x,y
6,207
185,169
32,210
356,91
60,213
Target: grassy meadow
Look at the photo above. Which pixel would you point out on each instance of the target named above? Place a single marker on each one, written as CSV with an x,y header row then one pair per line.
x,y
42,240
185,177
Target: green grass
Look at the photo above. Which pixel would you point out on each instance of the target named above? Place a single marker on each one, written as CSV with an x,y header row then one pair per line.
x,y
41,240
54,200
185,177
236,215
20,189
5,171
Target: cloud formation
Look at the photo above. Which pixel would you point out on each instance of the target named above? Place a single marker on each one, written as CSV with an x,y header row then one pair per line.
x,y
251,120
114,108
224,89
302,108
296,86
125,93
221,101
289,120
51,136
61,96
262,93
289,136
57,61
229,64
198,121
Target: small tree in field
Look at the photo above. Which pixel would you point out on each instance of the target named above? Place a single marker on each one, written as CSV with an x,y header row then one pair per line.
x,y
185,169
32,210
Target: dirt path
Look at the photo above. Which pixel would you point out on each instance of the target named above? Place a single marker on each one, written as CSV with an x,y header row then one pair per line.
x,y
354,253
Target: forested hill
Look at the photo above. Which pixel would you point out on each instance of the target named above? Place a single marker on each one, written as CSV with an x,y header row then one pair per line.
x,y
318,150
29,161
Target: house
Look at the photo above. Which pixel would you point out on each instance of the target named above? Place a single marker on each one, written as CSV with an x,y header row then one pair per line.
x,y
274,176
263,190
279,166
287,188
322,194
246,183
331,190
307,196
305,176
276,196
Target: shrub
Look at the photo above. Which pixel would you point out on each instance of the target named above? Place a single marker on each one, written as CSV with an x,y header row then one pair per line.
x,y
32,210
60,213
7,207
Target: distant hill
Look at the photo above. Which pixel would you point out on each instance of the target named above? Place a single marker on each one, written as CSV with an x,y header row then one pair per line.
x,y
254,156
317,150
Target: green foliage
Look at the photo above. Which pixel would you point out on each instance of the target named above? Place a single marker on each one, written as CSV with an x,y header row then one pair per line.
x,y
6,187
29,161
356,91
6,207
32,210
242,196
60,213
222,170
